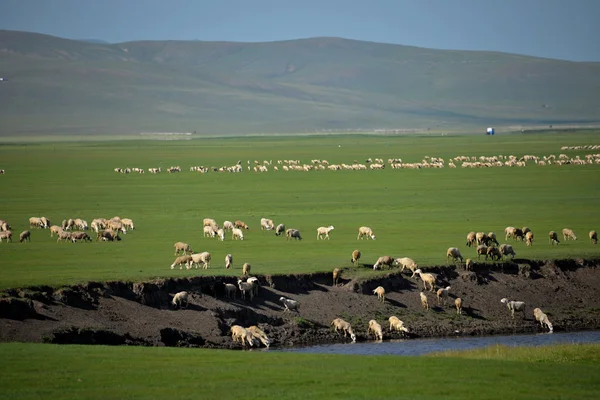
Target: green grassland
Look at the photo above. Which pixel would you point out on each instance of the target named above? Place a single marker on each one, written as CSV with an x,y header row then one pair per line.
x,y
416,213
32,371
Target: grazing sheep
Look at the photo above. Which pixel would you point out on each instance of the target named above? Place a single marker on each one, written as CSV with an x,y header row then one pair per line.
x,y
518,234
228,225
25,236
228,261
36,222
514,306
246,288
221,234
290,305
246,268
506,250
81,236
181,247
365,231
64,235
6,235
468,264
106,235
336,276
406,262
128,223
179,299
266,224
458,304
279,230
97,224
380,292
292,234
203,258
259,334
323,232
230,290
241,225
209,231
553,238
442,295
427,279
209,222
236,234
529,238
339,324
594,237
355,257
510,232
67,224
384,260
240,334
397,325
569,234
481,250
181,261
492,238
493,252
4,226
80,224
481,238
376,329
542,318
471,239
454,253
424,301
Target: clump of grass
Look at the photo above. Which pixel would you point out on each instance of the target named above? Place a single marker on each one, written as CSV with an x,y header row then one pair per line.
x,y
304,323
559,353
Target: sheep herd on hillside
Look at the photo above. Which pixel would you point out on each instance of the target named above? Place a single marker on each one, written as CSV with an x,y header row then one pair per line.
x,y
394,163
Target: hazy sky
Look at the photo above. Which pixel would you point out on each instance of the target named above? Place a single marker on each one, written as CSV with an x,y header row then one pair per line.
x,y
565,29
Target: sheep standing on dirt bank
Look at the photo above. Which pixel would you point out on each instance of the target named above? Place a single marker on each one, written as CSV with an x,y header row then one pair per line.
x,y
442,295
553,238
407,262
365,231
181,261
203,258
336,276
246,269
384,260
290,305
529,238
280,230
179,299
380,292
568,234
292,234
323,232
246,289
594,237
355,257
339,324
458,305
240,334
183,248
493,252
453,253
259,334
228,261
376,329
468,264
428,279
507,250
397,325
424,301
230,291
471,239
514,306
25,236
542,318
236,233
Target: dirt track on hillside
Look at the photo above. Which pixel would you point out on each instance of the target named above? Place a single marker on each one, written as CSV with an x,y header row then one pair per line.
x,y
141,313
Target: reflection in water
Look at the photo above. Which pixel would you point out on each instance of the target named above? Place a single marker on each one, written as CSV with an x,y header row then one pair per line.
x,y
417,347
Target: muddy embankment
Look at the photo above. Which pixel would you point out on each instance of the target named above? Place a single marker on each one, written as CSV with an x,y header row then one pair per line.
x,y
141,313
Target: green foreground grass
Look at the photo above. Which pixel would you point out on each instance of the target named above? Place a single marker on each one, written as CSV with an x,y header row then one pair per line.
x,y
32,371
416,213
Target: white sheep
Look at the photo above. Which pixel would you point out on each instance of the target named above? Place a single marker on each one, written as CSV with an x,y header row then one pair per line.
x,y
542,318
481,250
280,230
568,234
506,250
236,234
442,295
228,261
255,284
336,276
230,291
427,279
290,305
259,334
355,257
180,298
453,253
424,301
6,235
365,231
323,232
240,334
198,258
380,292
209,231
514,306
529,238
339,324
397,325
228,225
468,264
471,239
246,289
221,234
246,268
181,247
181,260
458,305
376,329
127,223
266,224
408,263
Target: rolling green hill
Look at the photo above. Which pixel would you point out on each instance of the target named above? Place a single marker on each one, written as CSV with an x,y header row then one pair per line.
x,y
65,86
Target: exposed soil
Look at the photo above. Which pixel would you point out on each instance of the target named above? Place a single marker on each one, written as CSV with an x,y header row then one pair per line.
x,y
141,313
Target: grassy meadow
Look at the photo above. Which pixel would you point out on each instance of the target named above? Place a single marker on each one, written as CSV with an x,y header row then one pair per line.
x,y
416,213
33,371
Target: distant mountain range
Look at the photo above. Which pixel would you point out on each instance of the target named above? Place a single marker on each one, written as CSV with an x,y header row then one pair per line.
x,y
56,85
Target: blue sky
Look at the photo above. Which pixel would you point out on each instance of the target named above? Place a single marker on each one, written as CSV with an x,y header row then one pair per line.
x,y
564,29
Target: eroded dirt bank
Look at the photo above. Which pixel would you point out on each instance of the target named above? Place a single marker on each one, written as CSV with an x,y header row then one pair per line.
x,y
141,314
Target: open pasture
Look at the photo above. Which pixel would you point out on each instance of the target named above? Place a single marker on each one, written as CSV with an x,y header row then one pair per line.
x,y
415,213
32,371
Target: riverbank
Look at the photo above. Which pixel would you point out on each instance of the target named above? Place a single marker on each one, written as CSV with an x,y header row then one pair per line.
x,y
140,313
